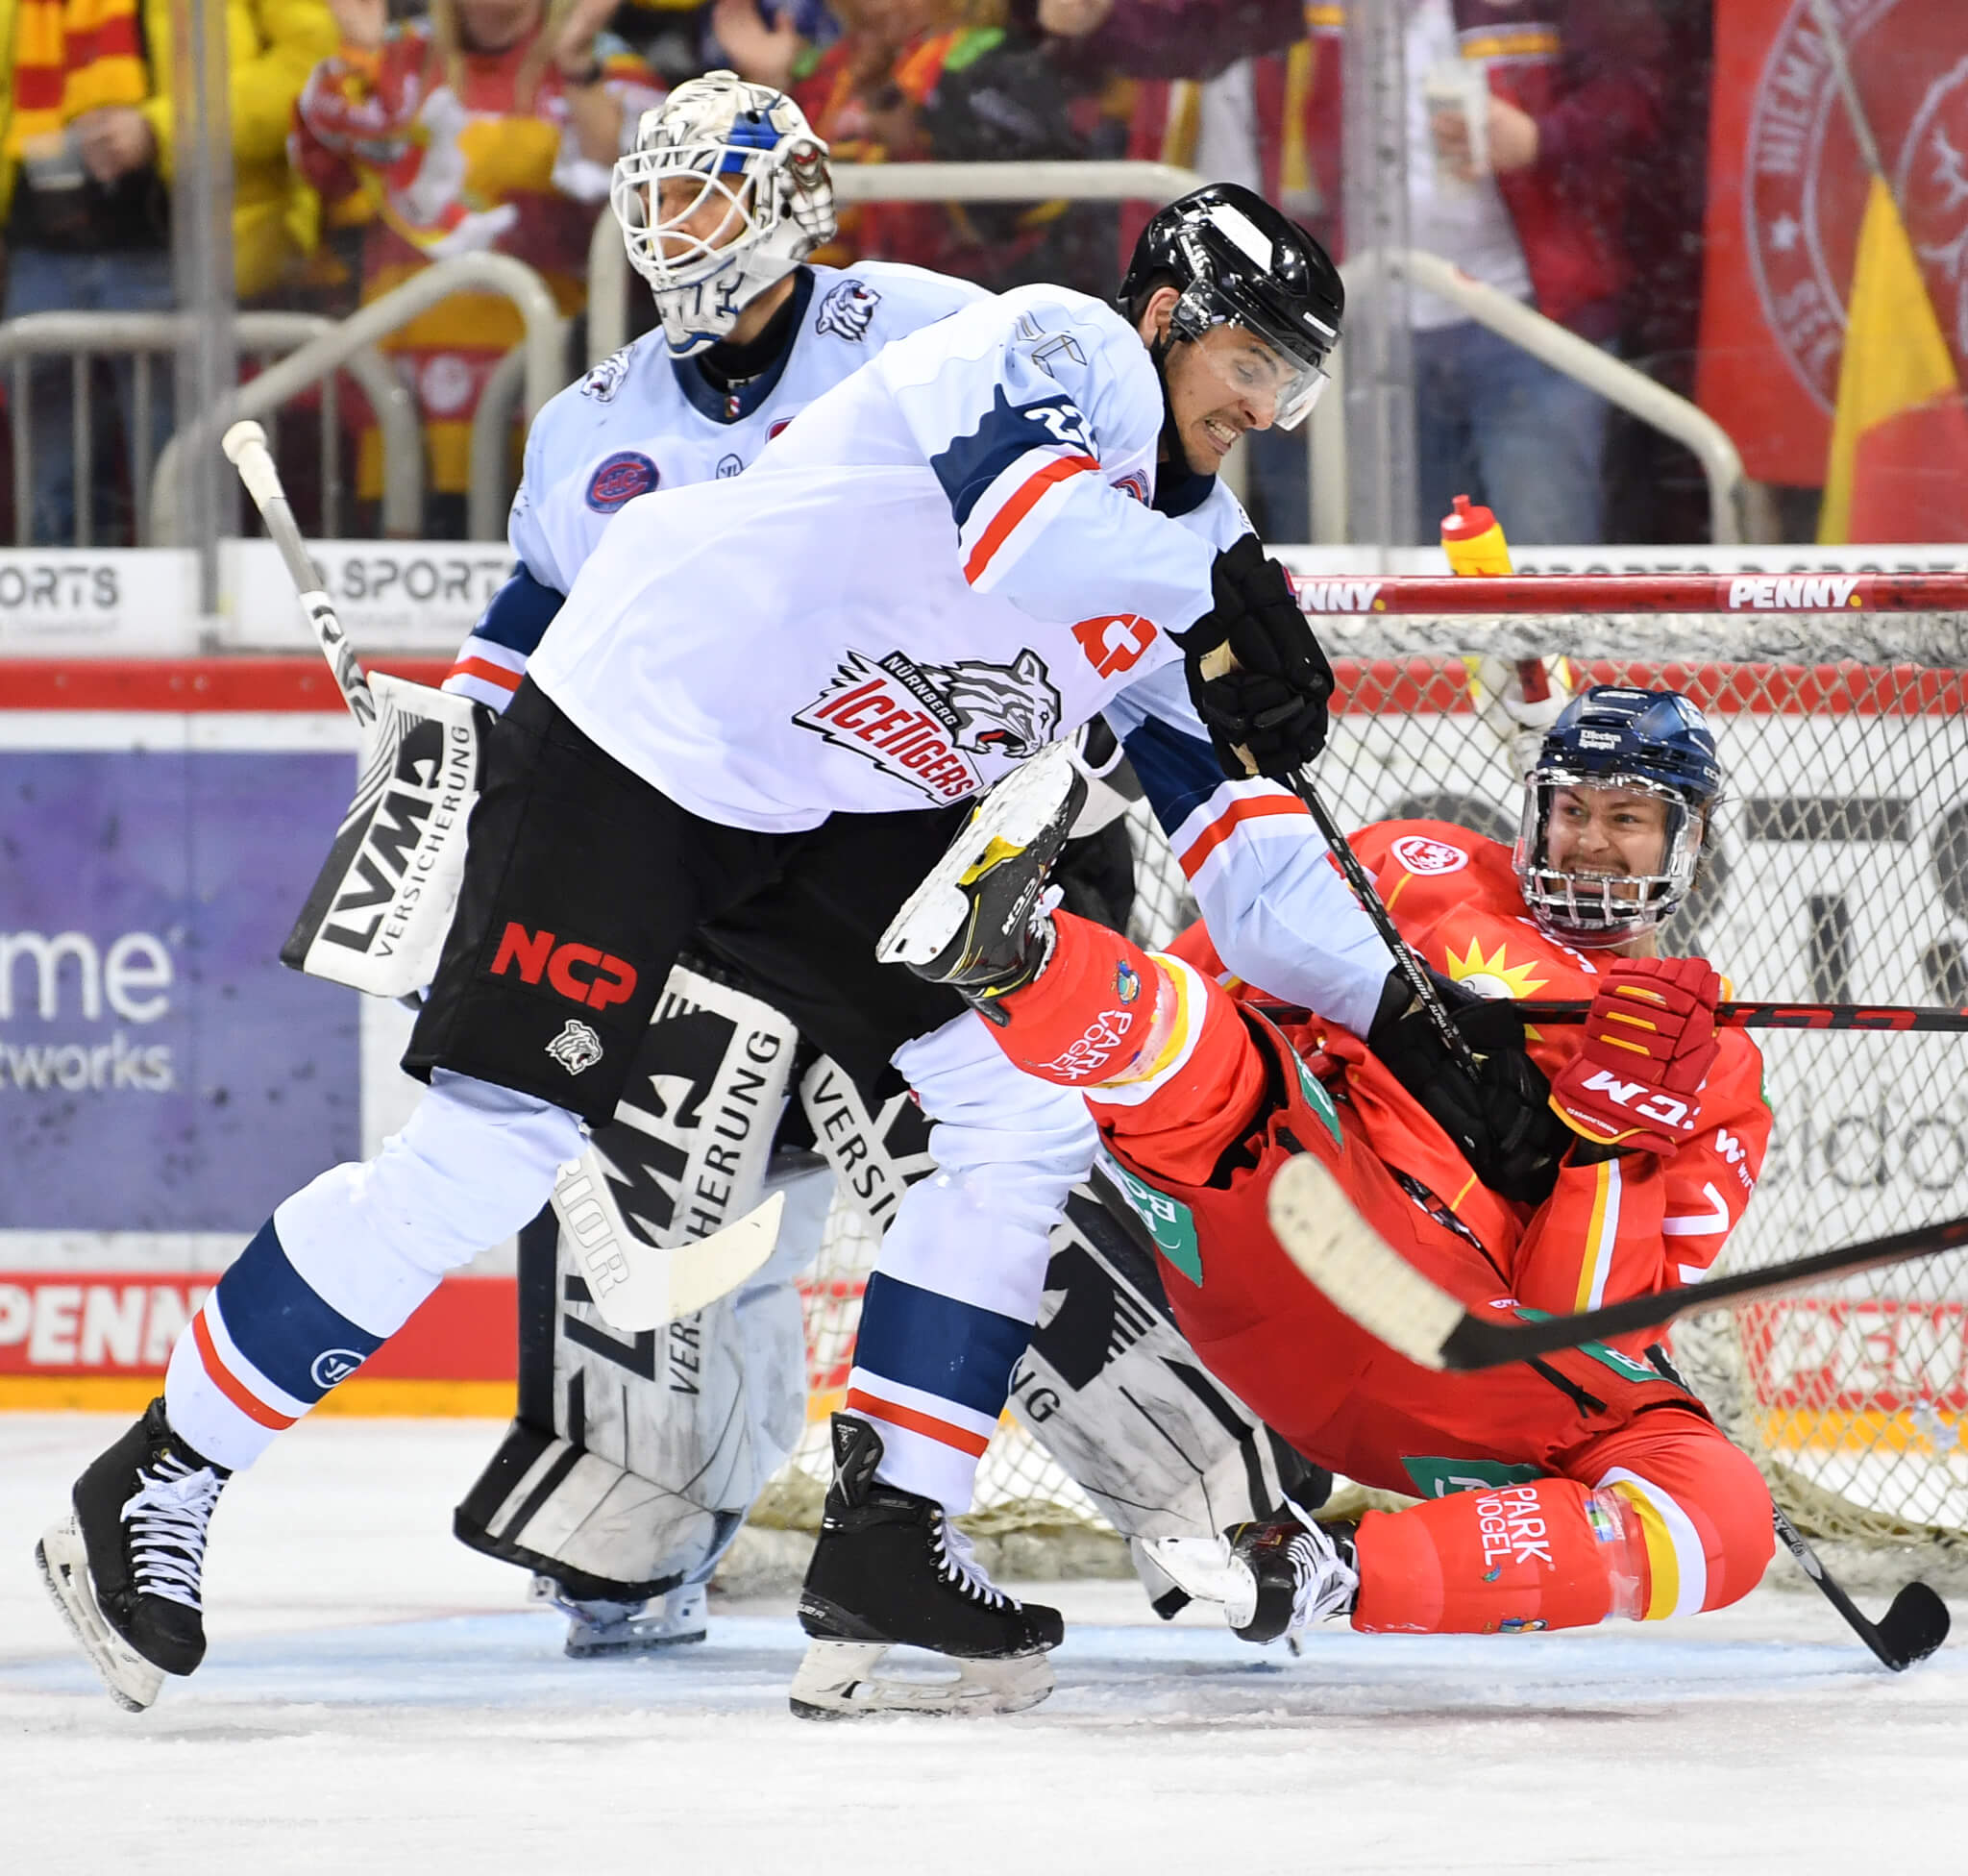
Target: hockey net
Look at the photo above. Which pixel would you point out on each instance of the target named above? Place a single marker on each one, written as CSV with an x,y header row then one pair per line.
x,y
1838,873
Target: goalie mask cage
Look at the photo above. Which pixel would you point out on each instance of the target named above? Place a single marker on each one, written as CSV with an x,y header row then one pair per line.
x,y
1836,870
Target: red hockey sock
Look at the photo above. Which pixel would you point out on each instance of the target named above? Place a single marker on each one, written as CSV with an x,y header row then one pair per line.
x,y
1174,1075
1086,1016
1551,1553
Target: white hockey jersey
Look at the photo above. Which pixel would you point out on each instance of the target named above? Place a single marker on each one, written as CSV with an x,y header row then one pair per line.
x,y
943,563
641,420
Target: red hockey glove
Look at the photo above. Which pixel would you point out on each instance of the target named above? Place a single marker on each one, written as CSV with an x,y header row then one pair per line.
x,y
1649,1044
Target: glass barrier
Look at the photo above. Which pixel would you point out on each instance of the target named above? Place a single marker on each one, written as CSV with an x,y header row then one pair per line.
x,y
1759,207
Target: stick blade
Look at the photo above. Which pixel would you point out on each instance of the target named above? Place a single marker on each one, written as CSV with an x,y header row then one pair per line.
x,y
663,1286
1358,1272
1915,1625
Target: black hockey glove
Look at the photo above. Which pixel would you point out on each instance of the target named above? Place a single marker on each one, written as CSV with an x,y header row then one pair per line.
x,y
1273,704
1502,1121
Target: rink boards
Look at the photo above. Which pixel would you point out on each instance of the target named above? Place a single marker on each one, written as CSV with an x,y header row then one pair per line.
x,y
163,1081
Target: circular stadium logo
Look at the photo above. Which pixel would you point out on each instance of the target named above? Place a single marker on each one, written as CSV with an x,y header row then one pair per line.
x,y
1806,179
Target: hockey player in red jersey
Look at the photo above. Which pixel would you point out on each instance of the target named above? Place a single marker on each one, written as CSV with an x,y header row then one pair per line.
x,y
1562,1491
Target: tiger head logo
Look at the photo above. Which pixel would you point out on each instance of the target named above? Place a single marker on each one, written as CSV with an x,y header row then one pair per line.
x,y
1007,709
848,310
576,1047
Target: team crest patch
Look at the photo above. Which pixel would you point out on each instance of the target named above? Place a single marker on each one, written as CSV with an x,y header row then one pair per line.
x,y
619,479
1418,854
1127,983
576,1047
925,724
607,378
848,310
1135,483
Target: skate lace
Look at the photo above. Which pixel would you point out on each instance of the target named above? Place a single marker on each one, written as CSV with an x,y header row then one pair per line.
x,y
958,1566
167,1516
1323,1581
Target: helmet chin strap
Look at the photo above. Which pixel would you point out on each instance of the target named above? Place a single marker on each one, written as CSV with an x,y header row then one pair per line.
x,y
1171,436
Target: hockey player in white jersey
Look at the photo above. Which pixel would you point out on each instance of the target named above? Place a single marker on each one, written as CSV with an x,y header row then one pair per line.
x,y
763,705
725,193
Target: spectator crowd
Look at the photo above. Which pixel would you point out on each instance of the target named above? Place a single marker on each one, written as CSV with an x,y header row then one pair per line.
x,y
1545,154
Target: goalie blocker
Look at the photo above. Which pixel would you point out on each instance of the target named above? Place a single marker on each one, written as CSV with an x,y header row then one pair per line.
x,y
378,912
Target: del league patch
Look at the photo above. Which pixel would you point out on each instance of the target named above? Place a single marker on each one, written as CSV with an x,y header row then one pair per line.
x,y
1420,854
619,479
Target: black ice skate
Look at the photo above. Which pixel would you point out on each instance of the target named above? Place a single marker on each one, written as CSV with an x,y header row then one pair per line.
x,y
975,922
1300,1573
890,1570
1270,1579
124,1566
598,1627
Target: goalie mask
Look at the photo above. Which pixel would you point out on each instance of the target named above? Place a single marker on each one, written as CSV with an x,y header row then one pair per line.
x,y
1236,260
1653,744
747,197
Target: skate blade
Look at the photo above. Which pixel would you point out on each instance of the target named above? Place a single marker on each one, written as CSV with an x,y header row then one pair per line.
x,y
629,1641
1015,813
838,1680
1360,1272
133,1683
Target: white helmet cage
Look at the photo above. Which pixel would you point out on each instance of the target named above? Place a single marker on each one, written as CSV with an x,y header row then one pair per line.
x,y
1591,911
747,148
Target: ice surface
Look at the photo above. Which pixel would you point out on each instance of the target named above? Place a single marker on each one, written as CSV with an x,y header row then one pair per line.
x,y
377,1699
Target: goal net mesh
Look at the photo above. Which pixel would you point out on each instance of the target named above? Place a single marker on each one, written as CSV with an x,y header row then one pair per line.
x,y
1838,873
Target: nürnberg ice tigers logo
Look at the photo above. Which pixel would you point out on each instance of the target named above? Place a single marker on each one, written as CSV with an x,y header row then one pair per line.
x,y
576,1047
1009,710
606,379
848,310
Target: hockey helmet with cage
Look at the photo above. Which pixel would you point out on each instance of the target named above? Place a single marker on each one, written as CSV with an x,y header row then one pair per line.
x,y
1651,742
761,201
1236,260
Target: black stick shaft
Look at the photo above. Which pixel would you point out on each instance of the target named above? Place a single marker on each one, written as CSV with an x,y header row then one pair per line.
x,y
1936,1019
1369,895
1476,1343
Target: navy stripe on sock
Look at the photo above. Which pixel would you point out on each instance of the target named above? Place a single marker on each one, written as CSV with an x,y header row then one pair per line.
x,y
955,1351
282,1327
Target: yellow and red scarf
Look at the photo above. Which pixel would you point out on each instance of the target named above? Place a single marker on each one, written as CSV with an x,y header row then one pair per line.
x,y
71,55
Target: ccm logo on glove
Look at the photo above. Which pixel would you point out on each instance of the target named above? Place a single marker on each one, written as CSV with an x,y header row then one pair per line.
x,y
535,953
1649,1044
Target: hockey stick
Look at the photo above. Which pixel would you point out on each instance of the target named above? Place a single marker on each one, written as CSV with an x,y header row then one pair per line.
x,y
1220,662
1934,1019
1389,1299
1914,1625
1925,1019
245,448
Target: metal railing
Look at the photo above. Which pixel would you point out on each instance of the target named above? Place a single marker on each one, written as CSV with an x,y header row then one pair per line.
x,y
1730,494
144,336
608,271
542,354
1524,327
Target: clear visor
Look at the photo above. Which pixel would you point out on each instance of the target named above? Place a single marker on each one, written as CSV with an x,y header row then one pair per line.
x,y
686,209
1267,369
1590,908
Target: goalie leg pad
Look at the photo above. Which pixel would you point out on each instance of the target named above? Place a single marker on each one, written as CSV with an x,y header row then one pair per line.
x,y
1111,1389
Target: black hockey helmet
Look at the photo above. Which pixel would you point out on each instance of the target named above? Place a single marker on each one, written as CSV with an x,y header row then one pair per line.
x,y
1236,259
